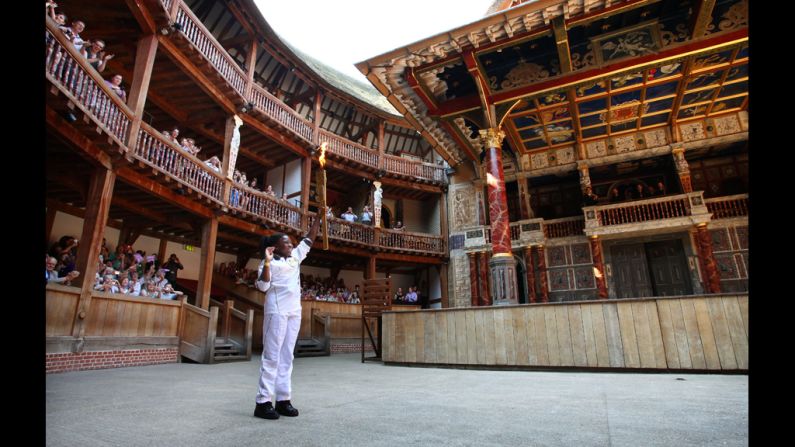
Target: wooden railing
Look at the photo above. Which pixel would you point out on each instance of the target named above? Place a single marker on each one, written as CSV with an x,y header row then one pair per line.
x,y
197,332
235,325
411,241
643,210
66,68
281,113
411,168
205,43
568,226
348,149
264,205
350,231
168,158
729,206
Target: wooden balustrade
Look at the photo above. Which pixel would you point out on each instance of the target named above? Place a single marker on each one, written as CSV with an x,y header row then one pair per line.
x,y
350,231
644,210
163,154
260,204
729,206
411,241
166,4
203,40
416,169
276,110
66,68
568,226
348,149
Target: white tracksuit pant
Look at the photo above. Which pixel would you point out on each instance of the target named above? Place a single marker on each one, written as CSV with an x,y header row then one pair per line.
x,y
279,334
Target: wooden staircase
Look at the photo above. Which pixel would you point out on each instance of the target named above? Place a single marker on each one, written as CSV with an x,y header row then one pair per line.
x,y
312,347
228,350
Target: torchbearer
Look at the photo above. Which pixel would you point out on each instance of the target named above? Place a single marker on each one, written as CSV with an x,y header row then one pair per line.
x,y
279,277
320,182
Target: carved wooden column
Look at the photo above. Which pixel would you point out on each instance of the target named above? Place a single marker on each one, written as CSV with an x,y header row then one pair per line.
x,y
503,266
251,62
161,251
139,86
483,263
230,155
542,270
371,264
525,211
98,200
531,273
707,260
585,176
473,280
682,168
599,266
204,286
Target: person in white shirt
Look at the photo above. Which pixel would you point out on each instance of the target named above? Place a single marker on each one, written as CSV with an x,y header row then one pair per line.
x,y
367,216
349,216
279,277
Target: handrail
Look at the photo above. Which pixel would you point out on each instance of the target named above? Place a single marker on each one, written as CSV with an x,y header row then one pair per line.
x,y
667,207
348,149
66,68
728,206
351,231
411,241
412,168
203,40
166,156
264,205
567,226
278,111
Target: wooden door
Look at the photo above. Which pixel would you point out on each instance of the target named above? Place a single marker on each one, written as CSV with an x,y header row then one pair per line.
x,y
630,271
668,267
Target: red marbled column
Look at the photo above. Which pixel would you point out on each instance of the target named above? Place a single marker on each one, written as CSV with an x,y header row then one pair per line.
x,y
542,270
498,201
599,265
708,265
473,280
531,274
485,292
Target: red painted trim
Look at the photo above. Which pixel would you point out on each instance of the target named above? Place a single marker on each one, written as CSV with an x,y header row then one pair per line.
x,y
415,85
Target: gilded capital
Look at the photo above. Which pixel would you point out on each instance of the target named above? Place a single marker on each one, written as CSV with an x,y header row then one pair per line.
x,y
492,138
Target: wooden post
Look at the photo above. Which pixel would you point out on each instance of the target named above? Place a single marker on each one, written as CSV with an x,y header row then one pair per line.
x,y
542,270
531,274
599,266
443,226
706,258
316,117
381,146
306,181
371,265
161,251
443,283
50,220
229,130
251,61
100,193
139,87
204,286
485,291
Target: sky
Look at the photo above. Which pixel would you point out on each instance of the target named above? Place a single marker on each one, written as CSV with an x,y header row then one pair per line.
x,y
341,33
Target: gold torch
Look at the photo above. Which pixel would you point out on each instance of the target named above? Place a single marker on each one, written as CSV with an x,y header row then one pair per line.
x,y
320,181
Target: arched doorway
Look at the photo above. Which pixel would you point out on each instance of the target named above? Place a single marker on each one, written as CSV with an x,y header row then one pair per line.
x,y
521,280
386,217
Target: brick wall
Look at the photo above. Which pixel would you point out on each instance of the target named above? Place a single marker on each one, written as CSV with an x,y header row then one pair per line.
x,y
339,348
68,361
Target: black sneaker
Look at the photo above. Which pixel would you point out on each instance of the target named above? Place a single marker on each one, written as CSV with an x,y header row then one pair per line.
x,y
265,411
284,408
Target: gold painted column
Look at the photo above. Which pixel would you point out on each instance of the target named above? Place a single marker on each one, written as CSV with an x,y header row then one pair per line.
x,y
585,176
599,267
707,260
682,168
502,265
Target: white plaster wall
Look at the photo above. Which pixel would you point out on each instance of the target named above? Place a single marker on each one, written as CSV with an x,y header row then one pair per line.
x,y
274,177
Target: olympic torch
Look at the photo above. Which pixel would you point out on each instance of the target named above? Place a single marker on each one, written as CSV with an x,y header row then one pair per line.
x,y
320,181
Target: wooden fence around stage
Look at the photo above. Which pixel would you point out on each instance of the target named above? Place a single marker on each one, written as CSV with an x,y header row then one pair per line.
x,y
693,332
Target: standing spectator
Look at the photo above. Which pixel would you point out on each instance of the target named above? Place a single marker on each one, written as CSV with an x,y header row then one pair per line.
x,y
589,198
367,216
398,226
270,191
95,54
115,85
279,277
348,215
52,276
660,188
411,296
72,33
398,298
614,196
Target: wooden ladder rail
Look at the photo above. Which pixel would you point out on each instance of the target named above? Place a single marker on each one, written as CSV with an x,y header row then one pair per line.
x,y
376,299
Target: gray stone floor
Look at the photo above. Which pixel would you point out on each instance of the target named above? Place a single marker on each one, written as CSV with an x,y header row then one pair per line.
x,y
346,403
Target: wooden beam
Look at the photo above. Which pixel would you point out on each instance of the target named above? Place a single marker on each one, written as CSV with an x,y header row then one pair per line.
x,y
96,216
142,16
77,140
243,225
144,183
208,241
702,18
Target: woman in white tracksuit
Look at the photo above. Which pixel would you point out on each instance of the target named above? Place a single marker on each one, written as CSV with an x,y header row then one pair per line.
x,y
279,278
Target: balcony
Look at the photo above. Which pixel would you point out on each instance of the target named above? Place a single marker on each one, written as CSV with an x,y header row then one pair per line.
x,y
648,216
728,207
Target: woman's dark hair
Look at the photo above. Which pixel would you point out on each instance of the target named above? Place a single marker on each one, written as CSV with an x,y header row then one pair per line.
x,y
269,241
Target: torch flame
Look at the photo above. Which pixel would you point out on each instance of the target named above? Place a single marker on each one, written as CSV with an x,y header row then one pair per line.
x,y
322,157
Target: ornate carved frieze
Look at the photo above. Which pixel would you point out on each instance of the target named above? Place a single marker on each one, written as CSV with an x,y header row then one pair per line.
x,y
692,131
461,280
463,203
596,148
727,124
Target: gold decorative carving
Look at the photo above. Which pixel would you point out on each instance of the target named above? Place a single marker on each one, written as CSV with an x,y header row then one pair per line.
x,y
585,60
670,37
596,149
539,160
655,138
492,138
523,74
735,17
692,131
727,124
565,155
624,143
